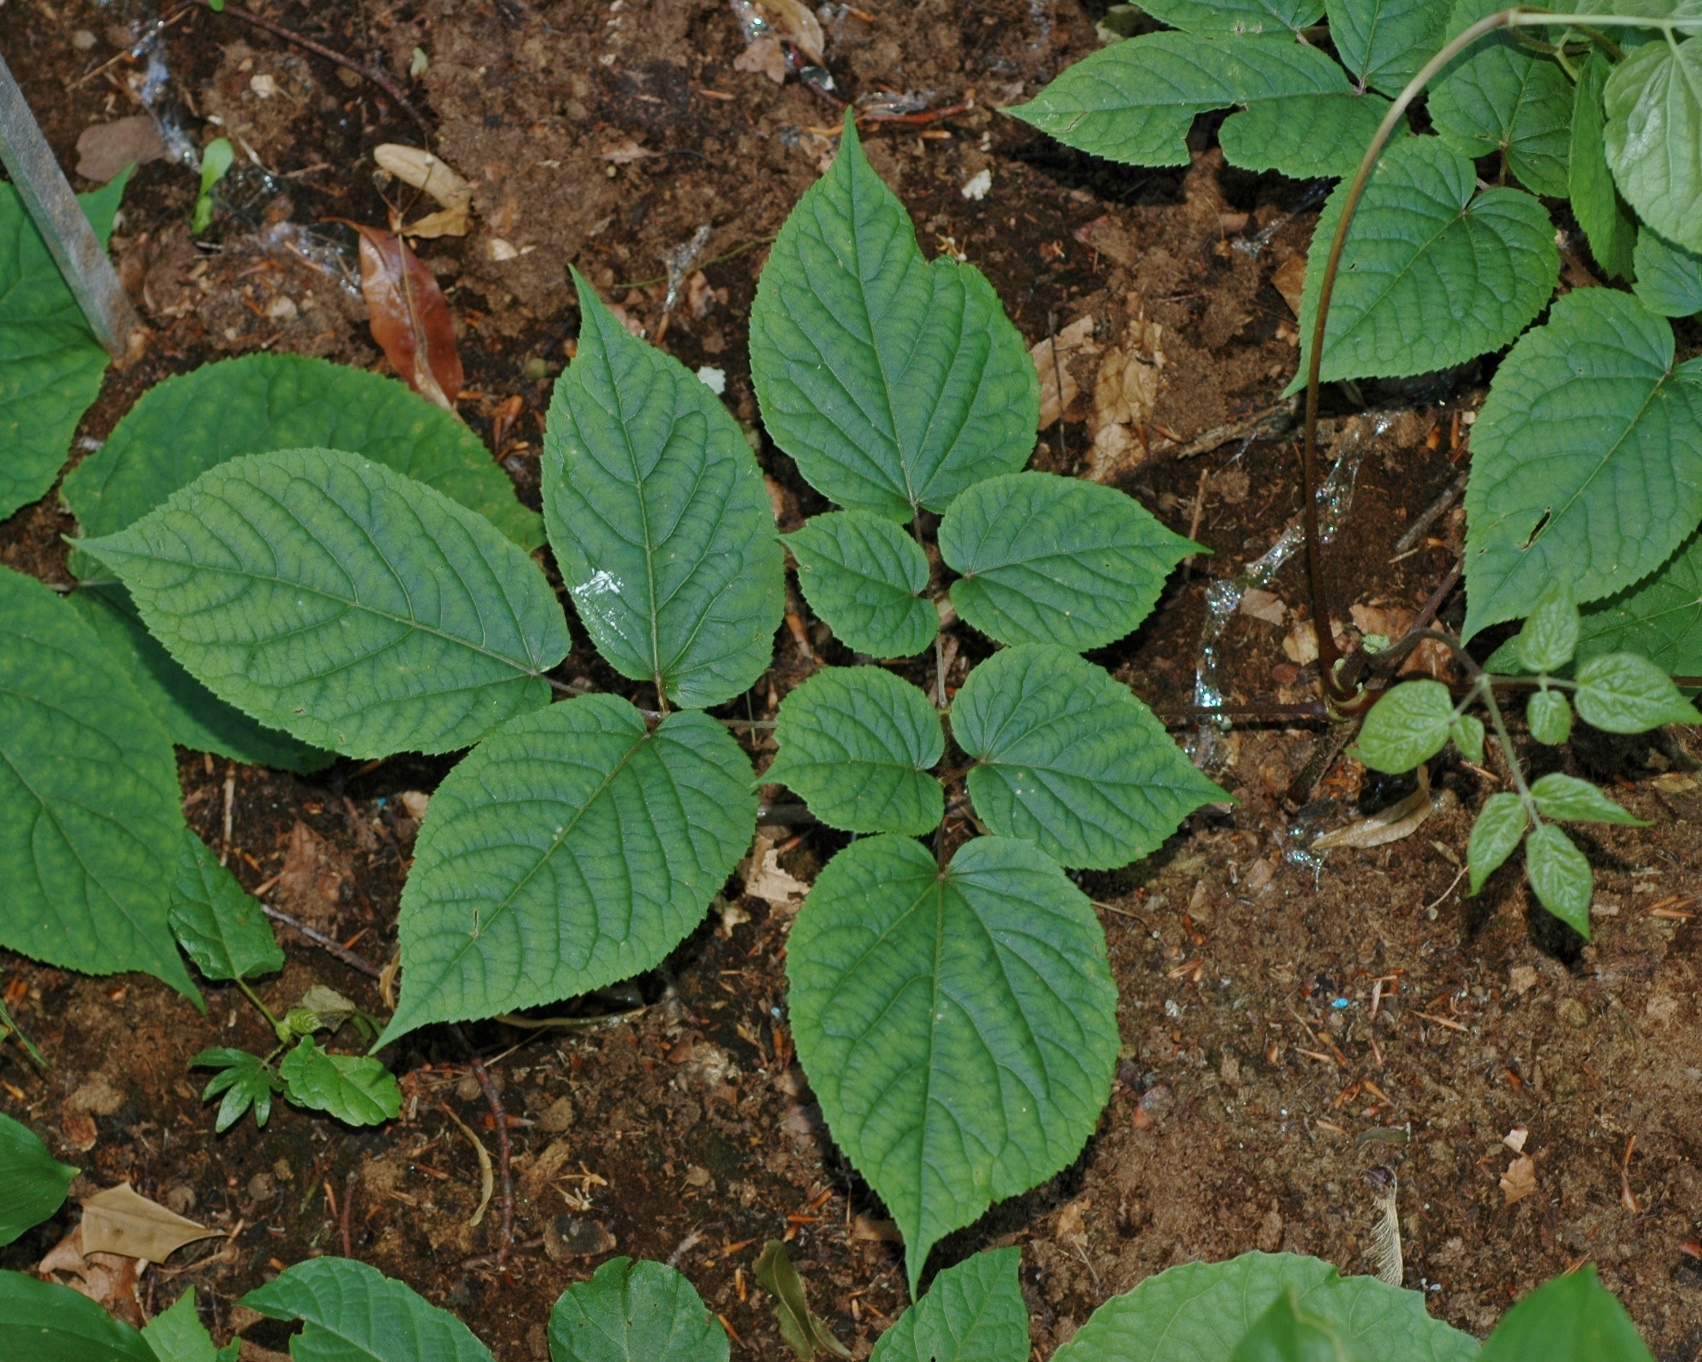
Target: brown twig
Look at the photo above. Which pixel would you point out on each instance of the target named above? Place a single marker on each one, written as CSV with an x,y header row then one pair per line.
x,y
505,1177
324,942
343,1218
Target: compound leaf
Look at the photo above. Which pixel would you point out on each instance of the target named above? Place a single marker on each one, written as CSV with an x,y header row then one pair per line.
x,y
177,1334
245,1082
1495,836
1548,714
354,1313
1467,733
1383,43
335,598
1654,137
1660,617
258,403
893,382
1045,559
89,816
32,1181
1560,876
1586,458
1410,724
1434,272
1069,759
1237,16
1549,636
1566,799
46,1322
570,849
1669,278
1627,693
634,1312
1572,1318
353,1088
958,1026
659,518
1198,1312
869,580
216,920
973,1312
1596,204
1304,136
856,743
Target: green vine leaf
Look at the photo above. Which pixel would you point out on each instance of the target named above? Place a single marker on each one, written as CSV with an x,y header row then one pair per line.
x,y
353,1088
1560,876
1549,636
1566,799
1237,17
1409,725
1654,137
869,580
1606,221
1434,271
245,1082
893,382
958,1026
856,743
90,824
1495,836
659,518
1570,1317
634,1312
1627,693
1045,559
973,1312
1383,43
216,920
1586,458
1669,278
32,1182
570,849
333,597
353,1313
1660,617
46,1322
1069,759
1549,717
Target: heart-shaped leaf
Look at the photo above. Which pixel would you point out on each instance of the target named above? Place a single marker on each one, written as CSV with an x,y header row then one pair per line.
x,y
893,382
1236,16
1068,758
869,580
32,1182
856,743
570,849
959,1025
1285,1333
973,1312
659,518
1660,617
1383,43
216,920
1305,136
1045,559
634,1312
177,1334
1596,204
333,597
354,1313
1586,458
1654,137
353,1088
1669,278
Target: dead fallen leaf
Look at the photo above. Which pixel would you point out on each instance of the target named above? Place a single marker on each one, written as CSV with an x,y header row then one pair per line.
x,y
79,1130
1301,645
1520,1179
765,880
1515,1139
311,881
435,177
1075,339
874,1231
416,802
763,57
410,316
625,153
1390,825
106,149
731,916
1070,1224
1124,395
1522,979
121,1220
1262,605
109,1279
799,25
1289,279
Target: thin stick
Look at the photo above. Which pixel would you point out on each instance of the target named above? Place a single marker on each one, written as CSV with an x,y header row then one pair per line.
x,y
319,939
343,1219
1450,494
1058,379
505,1240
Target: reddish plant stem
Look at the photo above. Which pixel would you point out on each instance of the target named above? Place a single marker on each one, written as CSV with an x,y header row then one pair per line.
x,y
343,1219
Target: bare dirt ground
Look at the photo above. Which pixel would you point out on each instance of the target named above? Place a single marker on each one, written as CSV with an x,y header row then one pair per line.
x,y
1286,1025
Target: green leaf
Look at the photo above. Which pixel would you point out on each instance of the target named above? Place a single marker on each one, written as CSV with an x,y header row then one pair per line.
x,y
1560,876
1383,43
1410,724
355,1314
1495,836
1654,137
1567,799
50,364
1467,733
1305,136
1627,693
869,580
1236,16
1069,759
1549,636
177,1334
1135,101
634,1312
260,403
1046,559
89,816
856,743
45,1322
1606,221
1498,96
32,1181
217,921
1549,716
190,713
959,1026
1434,272
1570,1319
659,518
1661,617
1284,1334
245,1082
353,1088
1669,278
333,597
1198,1312
570,849
1586,458
973,1312
800,1326
893,382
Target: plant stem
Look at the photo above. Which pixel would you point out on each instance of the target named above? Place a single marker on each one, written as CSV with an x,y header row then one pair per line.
x,y
505,1240
254,998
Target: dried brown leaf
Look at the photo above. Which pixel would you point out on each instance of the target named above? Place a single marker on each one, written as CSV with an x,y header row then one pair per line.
x,y
1520,1179
765,880
121,1220
1124,395
410,316
1075,339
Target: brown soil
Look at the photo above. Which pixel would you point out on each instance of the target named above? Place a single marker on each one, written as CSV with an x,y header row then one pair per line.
x,y
1261,1074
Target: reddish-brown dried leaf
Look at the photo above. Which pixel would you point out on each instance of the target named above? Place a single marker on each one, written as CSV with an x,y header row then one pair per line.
x,y
410,316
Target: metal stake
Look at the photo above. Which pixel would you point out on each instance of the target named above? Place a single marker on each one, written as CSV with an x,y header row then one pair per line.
x,y
59,217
